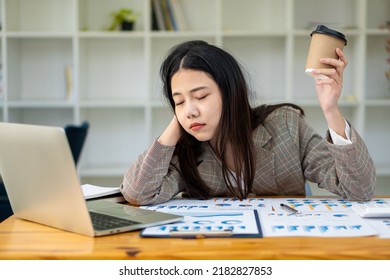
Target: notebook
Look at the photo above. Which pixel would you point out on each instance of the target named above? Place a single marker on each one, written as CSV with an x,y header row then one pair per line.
x,y
42,184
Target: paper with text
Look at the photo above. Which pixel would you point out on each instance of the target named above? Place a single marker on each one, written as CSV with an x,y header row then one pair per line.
x,y
321,217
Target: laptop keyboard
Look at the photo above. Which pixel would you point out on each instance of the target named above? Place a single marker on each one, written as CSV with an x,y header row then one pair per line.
x,y
102,221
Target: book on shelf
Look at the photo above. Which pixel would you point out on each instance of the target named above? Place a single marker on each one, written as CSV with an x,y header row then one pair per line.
x,y
159,15
168,15
68,82
1,84
153,15
172,16
178,14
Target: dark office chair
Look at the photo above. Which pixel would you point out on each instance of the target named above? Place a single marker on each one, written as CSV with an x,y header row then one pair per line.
x,y
5,207
76,135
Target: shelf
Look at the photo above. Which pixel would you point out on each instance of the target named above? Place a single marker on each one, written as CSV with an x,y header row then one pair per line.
x,y
181,34
378,102
109,104
95,15
263,59
40,15
103,146
314,103
39,34
378,32
112,34
40,104
51,116
256,15
349,32
308,13
314,116
248,33
38,68
377,134
377,67
112,69
103,171
377,12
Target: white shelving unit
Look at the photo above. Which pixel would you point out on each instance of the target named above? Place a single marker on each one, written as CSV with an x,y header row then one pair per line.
x,y
115,82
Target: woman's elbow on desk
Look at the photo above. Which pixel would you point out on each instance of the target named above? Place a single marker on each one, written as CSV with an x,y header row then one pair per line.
x,y
368,185
362,191
145,195
134,196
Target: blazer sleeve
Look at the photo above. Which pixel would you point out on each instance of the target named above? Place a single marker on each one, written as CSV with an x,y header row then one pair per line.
x,y
346,170
153,177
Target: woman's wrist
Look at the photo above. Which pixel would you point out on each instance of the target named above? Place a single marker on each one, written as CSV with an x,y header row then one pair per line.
x,y
336,121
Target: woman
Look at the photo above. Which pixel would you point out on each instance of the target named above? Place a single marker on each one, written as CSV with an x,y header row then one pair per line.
x,y
216,145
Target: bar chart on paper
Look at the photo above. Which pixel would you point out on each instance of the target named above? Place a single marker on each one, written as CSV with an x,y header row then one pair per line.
x,y
319,217
210,223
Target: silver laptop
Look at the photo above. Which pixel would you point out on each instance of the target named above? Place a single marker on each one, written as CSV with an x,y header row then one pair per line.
x,y
41,181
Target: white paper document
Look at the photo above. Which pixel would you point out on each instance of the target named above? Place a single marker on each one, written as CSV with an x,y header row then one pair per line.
x,y
92,191
319,224
320,217
209,223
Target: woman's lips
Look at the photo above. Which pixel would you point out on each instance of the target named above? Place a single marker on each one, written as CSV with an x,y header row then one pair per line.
x,y
196,126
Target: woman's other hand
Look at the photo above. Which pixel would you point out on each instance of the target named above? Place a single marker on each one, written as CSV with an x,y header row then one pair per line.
x,y
329,91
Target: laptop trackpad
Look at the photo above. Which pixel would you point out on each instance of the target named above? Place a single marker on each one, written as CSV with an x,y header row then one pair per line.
x,y
117,210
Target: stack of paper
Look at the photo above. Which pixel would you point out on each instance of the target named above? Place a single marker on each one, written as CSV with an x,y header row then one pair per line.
x,y
98,192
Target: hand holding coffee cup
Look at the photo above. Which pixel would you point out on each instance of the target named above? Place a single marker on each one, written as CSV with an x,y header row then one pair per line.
x,y
324,42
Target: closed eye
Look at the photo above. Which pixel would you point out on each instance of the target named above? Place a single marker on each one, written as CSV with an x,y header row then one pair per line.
x,y
202,97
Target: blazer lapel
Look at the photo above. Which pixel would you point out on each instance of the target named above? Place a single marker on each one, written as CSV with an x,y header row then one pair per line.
x,y
264,181
211,171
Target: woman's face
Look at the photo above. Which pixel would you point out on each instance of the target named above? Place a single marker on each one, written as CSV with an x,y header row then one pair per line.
x,y
198,103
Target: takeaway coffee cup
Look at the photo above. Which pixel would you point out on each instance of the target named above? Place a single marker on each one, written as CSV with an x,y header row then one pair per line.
x,y
324,42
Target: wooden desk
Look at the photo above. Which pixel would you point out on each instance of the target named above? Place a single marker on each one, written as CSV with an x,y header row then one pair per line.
x,y
21,239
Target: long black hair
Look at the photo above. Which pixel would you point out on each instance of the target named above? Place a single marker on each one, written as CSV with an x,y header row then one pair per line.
x,y
237,121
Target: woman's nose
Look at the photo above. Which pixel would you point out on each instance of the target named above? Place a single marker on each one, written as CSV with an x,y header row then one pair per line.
x,y
192,110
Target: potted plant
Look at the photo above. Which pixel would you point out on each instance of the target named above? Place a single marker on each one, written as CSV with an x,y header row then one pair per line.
x,y
123,19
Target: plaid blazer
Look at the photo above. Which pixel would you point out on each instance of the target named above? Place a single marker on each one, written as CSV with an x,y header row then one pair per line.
x,y
288,153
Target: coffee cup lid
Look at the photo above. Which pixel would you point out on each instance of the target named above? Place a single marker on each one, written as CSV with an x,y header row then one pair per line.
x,y
322,29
